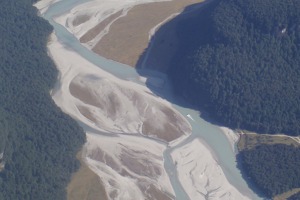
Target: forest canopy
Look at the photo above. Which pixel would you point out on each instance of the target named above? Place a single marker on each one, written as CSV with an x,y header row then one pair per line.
x,y
240,59
38,141
273,168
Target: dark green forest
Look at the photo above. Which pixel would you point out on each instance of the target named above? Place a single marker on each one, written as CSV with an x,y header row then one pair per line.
x,y
240,60
39,141
273,168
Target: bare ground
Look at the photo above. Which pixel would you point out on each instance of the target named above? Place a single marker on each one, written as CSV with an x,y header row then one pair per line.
x,y
80,19
129,36
287,194
250,140
86,113
168,131
85,184
91,34
151,192
137,165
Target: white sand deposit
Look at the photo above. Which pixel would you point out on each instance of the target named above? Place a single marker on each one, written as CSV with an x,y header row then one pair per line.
x,y
128,166
200,174
232,137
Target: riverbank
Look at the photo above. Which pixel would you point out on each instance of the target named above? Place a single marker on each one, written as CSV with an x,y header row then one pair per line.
x,y
113,141
165,42
200,173
108,28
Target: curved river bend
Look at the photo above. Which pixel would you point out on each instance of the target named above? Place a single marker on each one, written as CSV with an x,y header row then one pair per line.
x,y
212,135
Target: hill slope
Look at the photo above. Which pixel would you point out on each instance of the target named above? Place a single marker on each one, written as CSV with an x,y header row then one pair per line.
x,y
240,60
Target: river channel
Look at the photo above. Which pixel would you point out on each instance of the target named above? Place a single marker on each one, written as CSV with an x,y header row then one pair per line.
x,y
211,134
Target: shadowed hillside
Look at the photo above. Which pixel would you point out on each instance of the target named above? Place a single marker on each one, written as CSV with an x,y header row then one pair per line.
x,y
239,60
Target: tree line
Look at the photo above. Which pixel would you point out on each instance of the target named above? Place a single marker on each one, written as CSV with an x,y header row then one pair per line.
x,y
273,168
39,142
239,59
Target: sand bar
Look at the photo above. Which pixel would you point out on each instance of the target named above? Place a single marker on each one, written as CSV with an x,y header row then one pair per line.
x,y
201,175
118,160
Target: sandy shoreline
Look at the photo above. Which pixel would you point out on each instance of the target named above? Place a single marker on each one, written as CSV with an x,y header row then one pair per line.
x,y
202,181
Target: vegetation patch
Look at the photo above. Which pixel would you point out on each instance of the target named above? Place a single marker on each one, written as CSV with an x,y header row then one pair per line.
x,y
39,142
273,168
240,60
250,140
